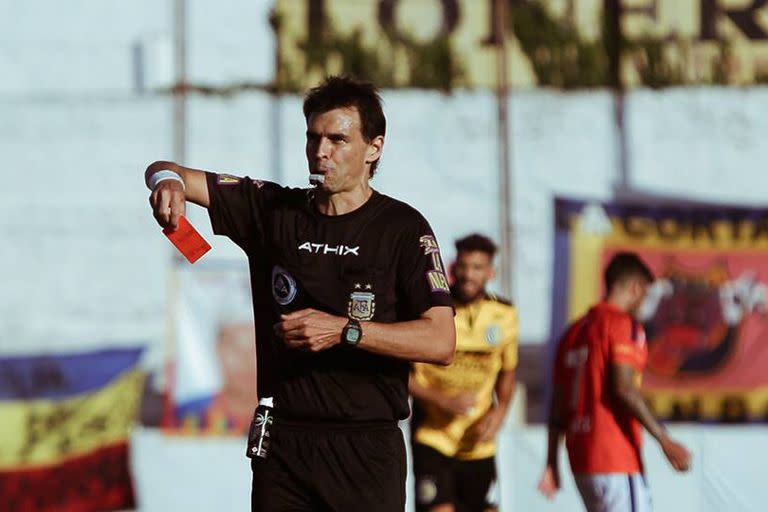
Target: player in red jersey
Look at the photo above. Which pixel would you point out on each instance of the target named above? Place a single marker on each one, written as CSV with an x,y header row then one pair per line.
x,y
597,403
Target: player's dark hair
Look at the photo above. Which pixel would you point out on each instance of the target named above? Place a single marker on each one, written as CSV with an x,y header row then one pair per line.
x,y
476,242
342,92
625,265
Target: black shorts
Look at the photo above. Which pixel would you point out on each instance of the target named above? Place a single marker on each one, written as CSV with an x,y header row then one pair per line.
x,y
467,484
331,468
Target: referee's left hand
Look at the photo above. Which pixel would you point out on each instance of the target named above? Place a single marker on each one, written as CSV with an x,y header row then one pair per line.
x,y
310,329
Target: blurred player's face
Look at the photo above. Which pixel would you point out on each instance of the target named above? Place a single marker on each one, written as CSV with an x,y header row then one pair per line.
x,y
472,271
337,150
637,288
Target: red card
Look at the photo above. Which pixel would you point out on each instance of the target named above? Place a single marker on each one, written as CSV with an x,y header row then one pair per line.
x,y
187,240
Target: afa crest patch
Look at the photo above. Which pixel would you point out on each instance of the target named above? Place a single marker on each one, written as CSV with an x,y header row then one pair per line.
x,y
362,304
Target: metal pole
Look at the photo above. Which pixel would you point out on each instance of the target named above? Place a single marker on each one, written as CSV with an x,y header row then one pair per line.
x,y
179,155
276,130
614,41
180,85
506,263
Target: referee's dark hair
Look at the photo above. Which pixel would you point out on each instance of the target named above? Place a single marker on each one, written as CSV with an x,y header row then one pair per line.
x,y
476,242
624,265
342,92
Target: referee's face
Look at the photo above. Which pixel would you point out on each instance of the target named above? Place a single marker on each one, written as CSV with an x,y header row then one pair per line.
x,y
472,271
336,149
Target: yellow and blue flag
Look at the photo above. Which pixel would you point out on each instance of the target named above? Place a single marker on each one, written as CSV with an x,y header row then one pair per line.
x,y
64,432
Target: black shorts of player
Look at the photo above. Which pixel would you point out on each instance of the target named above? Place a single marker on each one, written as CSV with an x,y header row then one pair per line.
x,y
464,483
326,467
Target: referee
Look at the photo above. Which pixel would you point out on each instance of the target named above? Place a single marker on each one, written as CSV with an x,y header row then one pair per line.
x,y
348,287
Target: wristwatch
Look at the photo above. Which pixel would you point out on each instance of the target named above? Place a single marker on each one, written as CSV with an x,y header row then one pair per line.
x,y
352,333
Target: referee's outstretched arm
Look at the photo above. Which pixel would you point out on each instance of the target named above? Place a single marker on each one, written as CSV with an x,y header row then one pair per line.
x,y
169,196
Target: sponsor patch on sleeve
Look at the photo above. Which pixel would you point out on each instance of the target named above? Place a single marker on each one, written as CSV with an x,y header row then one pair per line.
x,y
227,179
429,244
437,281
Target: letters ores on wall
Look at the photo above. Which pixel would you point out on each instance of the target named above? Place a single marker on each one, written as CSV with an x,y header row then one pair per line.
x,y
448,44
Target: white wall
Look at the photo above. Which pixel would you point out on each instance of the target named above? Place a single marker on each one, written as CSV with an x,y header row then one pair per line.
x,y
80,266
561,145
703,143
50,48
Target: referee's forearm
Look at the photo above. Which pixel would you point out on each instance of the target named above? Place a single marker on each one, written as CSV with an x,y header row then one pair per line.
x,y
430,339
195,184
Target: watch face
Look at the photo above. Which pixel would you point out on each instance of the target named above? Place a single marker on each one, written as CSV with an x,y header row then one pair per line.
x,y
353,336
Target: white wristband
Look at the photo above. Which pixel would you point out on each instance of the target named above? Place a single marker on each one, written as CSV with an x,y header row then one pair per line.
x,y
162,176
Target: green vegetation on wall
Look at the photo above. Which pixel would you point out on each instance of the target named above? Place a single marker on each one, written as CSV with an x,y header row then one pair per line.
x,y
560,57
430,65
563,58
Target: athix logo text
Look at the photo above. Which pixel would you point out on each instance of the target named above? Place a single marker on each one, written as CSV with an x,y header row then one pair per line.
x,y
341,250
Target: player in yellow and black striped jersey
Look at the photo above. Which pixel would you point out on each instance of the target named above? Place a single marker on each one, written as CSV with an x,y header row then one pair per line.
x,y
459,409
